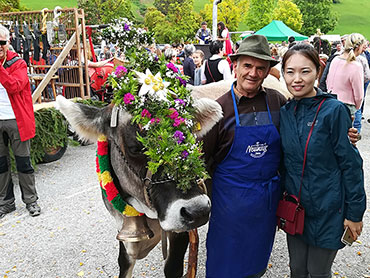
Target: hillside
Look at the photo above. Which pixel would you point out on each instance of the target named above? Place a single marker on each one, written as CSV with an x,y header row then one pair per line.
x,y
353,14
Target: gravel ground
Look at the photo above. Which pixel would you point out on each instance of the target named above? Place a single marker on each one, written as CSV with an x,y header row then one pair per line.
x,y
75,236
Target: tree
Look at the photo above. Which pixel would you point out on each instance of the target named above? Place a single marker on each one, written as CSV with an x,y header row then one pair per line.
x,y
163,5
179,24
259,13
11,6
230,12
317,14
289,13
104,11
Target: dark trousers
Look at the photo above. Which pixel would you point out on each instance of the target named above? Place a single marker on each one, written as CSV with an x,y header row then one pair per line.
x,y
9,134
307,261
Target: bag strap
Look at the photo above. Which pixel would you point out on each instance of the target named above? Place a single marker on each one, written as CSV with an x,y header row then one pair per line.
x,y
305,149
210,71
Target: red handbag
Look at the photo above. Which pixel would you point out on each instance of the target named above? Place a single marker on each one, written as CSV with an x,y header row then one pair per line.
x,y
290,213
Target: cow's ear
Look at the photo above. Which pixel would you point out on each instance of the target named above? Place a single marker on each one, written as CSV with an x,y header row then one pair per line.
x,y
87,121
208,113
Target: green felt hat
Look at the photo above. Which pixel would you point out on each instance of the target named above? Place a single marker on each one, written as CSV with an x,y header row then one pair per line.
x,y
255,46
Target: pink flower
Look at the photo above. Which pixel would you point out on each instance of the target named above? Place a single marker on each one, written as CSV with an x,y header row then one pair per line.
x,y
174,114
155,120
178,121
145,113
127,98
120,71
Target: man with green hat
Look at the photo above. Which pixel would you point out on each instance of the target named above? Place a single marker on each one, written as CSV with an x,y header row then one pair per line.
x,y
243,155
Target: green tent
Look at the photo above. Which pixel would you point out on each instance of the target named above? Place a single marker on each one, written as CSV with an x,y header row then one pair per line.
x,y
278,31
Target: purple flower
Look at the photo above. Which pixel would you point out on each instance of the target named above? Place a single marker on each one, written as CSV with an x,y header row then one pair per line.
x,y
182,81
156,58
120,71
127,98
180,101
145,113
155,120
172,67
179,136
174,114
127,27
184,154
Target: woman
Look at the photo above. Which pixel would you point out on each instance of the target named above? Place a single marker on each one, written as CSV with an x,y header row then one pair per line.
x,y
170,55
346,76
198,58
332,193
224,36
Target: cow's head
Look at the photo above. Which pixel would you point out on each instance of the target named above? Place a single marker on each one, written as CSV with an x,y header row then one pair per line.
x,y
176,210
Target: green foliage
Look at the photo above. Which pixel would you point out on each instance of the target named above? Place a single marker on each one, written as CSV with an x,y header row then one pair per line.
x,y
11,6
105,11
259,13
229,12
163,5
178,25
289,13
317,14
51,132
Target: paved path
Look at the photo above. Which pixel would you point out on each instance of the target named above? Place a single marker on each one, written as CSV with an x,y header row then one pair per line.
x,y
75,236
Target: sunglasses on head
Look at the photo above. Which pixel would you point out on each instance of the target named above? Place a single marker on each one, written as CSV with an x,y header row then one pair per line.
x,y
3,42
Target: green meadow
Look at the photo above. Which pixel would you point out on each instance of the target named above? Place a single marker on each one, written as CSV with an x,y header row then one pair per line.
x,y
353,14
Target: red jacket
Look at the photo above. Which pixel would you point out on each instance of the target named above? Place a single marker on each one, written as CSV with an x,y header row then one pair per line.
x,y
15,80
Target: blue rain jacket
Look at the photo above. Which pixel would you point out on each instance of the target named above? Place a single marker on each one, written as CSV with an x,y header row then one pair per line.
x,y
333,183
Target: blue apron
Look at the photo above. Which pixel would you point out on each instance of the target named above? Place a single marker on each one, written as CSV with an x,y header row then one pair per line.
x,y
245,194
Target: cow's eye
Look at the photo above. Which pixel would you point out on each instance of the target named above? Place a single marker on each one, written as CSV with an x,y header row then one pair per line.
x,y
135,149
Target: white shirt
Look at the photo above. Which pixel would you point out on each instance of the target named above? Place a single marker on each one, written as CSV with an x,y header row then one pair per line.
x,y
6,110
223,67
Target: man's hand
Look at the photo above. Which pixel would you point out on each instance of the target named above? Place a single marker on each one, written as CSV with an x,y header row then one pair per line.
x,y
353,135
355,227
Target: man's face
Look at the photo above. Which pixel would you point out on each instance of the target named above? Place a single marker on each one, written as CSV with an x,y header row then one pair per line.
x,y
204,26
3,48
339,46
250,73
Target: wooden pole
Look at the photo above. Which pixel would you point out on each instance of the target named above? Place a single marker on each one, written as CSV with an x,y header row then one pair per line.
x,y
54,67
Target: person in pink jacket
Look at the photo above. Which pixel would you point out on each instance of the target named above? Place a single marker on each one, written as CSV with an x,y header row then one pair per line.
x,y
346,76
17,127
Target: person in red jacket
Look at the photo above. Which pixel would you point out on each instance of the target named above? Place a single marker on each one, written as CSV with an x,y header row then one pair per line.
x,y
17,127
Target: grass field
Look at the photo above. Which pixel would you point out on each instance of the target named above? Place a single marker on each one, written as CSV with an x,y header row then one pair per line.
x,y
353,17
353,14
37,5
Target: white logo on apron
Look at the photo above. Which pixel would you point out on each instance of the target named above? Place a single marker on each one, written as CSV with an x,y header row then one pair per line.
x,y
257,150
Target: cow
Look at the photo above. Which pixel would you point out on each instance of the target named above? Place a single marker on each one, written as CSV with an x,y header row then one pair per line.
x,y
169,209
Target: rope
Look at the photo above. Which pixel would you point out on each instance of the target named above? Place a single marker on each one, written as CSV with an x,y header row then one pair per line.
x,y
44,17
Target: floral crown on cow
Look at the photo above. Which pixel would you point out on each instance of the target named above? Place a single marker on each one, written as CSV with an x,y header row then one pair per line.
x,y
154,93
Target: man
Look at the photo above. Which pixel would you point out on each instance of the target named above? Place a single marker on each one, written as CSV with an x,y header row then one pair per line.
x,y
17,127
215,68
203,34
243,154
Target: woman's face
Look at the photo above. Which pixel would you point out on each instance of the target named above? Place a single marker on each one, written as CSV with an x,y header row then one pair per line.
x,y
197,60
300,74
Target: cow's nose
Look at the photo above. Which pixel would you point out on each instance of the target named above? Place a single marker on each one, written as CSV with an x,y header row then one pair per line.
x,y
196,214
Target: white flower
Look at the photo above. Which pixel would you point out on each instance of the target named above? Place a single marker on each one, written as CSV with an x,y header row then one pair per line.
x,y
154,86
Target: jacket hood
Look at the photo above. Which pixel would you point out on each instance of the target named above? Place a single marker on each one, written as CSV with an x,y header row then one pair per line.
x,y
10,55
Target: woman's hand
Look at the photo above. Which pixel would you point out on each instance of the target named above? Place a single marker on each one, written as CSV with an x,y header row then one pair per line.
x,y
355,227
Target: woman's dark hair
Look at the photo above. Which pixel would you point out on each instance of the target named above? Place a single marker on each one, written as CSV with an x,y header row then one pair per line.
x,y
215,47
219,31
304,49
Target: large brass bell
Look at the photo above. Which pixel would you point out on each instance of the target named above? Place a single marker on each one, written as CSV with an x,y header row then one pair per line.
x,y
134,229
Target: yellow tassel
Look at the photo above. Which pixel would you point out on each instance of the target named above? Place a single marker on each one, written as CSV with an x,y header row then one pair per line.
x,y
102,138
106,177
130,211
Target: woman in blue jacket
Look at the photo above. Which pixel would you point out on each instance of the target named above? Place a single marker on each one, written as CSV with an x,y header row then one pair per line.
x,y
333,194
